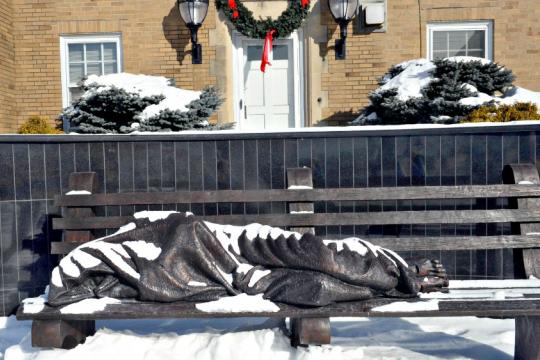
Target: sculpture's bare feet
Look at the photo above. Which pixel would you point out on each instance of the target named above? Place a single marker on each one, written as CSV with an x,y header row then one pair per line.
x,y
431,275
432,283
427,267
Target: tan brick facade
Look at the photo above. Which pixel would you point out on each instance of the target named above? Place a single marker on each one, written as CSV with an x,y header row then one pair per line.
x,y
155,41
516,45
7,70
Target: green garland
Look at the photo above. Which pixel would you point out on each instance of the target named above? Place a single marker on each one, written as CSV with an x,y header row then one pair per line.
x,y
290,20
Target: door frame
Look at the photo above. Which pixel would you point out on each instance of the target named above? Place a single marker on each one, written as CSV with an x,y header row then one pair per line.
x,y
298,77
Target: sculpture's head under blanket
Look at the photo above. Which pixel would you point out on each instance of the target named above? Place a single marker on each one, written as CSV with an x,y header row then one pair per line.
x,y
178,257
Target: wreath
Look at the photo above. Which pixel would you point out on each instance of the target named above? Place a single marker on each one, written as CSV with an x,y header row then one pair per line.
x,y
243,20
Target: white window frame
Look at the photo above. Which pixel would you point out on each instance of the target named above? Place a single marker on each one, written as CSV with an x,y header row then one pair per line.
x,y
486,26
66,40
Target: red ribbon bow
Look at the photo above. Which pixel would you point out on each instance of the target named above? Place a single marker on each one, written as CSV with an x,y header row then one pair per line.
x,y
267,48
234,8
304,3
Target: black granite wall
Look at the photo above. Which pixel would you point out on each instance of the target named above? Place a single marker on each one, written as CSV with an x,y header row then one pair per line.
x,y
33,169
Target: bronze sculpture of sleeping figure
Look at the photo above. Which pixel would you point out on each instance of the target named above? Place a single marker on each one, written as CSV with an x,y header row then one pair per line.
x,y
183,258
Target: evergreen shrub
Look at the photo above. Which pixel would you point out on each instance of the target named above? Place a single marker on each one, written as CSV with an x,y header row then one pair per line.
x,y
439,101
106,111
114,110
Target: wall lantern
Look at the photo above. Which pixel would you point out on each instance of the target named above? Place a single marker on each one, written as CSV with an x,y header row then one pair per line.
x,y
343,11
193,13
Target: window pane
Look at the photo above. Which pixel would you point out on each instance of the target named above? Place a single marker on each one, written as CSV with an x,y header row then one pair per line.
x,y
76,52
477,53
76,73
93,52
477,39
457,40
440,40
458,52
109,52
437,55
458,43
280,52
75,93
93,69
254,52
110,68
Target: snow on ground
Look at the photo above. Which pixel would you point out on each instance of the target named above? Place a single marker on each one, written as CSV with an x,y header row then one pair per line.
x,y
88,306
514,95
36,304
519,94
479,99
398,306
144,250
499,284
79,192
250,338
466,59
146,85
239,303
416,75
313,129
155,215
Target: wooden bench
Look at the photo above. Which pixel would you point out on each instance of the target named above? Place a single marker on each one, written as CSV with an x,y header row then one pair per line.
x,y
51,328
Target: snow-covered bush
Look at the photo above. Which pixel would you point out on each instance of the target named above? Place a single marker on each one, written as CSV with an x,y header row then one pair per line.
x,y
123,103
486,76
440,91
111,110
195,117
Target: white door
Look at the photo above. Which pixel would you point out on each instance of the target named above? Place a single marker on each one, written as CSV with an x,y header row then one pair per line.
x,y
270,100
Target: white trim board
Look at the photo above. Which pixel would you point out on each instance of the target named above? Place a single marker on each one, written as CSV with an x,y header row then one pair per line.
x,y
345,130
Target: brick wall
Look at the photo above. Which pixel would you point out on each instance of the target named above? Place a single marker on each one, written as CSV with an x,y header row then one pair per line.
x,y
7,76
348,82
154,42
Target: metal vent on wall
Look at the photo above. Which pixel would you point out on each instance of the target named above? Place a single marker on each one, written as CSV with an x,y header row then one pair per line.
x,y
371,17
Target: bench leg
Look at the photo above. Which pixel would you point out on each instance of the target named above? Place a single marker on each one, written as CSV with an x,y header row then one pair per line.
x,y
310,331
65,334
527,338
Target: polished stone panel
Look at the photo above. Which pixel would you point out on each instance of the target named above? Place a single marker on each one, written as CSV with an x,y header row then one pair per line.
x,y
21,166
38,183
37,169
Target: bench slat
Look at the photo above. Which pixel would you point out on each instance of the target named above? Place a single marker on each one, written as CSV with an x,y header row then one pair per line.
x,y
413,243
454,307
458,242
299,195
328,219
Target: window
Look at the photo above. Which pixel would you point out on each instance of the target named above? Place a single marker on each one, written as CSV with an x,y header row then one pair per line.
x,y
460,39
87,55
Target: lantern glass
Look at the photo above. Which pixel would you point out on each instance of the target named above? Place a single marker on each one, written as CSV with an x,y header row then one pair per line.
x,y
343,10
193,12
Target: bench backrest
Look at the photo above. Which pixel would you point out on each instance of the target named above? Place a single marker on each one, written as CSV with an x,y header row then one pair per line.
x,y
521,191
